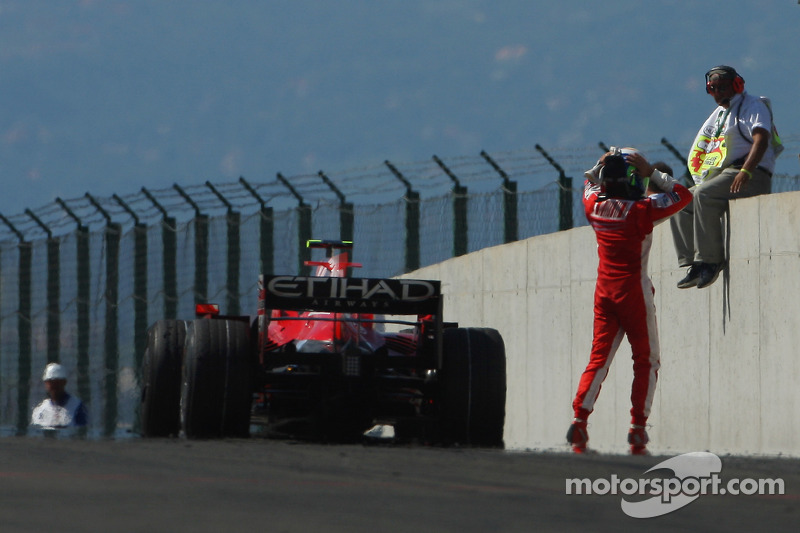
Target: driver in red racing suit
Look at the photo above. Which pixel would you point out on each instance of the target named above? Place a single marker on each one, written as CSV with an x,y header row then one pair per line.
x,y
623,219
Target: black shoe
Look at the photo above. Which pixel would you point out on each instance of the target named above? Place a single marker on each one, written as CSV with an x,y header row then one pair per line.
x,y
709,272
691,277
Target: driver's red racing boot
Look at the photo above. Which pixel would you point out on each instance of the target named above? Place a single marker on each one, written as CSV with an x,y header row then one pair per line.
x,y
638,439
578,436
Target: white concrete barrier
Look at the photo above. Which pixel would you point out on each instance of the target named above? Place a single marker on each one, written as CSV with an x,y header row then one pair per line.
x,y
729,353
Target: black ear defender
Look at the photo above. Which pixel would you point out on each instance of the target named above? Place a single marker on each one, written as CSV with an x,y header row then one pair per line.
x,y
726,73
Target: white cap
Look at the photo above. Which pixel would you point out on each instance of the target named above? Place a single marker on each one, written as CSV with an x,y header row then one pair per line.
x,y
54,371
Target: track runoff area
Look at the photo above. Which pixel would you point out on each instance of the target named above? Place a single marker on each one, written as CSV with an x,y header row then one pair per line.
x,y
174,484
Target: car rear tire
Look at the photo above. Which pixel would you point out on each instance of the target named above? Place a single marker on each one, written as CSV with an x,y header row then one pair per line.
x,y
216,393
473,387
159,407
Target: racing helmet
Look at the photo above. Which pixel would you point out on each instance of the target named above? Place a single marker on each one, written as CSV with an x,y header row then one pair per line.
x,y
618,179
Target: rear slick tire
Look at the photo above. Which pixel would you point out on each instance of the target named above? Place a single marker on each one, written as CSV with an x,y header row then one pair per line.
x,y
159,407
216,393
473,387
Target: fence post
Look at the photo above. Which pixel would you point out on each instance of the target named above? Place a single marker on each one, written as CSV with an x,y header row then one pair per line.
x,y
169,253
112,236
266,232
200,249
687,176
460,201
233,221
23,328
24,325
412,220
346,214
111,343
169,243
510,216
564,193
303,229
140,321
53,290
82,303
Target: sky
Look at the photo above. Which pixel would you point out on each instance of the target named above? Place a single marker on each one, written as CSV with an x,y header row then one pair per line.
x,y
107,97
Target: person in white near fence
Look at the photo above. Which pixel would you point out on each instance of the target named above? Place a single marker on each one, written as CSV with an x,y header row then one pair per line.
x,y
59,409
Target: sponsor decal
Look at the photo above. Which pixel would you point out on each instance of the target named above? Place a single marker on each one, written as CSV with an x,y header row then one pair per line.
x,y
666,199
613,209
347,293
707,152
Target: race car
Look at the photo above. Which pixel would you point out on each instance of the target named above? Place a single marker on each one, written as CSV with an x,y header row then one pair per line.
x,y
327,358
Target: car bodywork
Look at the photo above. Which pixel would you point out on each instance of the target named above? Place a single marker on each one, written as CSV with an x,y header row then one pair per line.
x,y
328,357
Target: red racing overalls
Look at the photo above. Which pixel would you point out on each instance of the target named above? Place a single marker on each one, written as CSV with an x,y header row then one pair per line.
x,y
623,298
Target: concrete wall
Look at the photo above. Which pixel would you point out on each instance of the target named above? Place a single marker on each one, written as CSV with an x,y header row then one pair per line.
x,y
729,353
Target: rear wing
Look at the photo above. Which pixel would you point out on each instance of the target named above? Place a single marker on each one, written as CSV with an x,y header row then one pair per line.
x,y
361,298
351,295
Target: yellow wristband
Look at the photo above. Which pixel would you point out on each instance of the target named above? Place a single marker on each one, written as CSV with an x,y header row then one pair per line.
x,y
749,174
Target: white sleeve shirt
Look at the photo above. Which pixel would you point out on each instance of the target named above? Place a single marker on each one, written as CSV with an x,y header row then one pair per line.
x,y
746,114
50,414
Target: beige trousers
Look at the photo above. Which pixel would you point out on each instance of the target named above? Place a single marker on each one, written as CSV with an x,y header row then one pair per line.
x,y
697,229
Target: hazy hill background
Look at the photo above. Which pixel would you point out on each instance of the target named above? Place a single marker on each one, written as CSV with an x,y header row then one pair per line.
x,y
108,96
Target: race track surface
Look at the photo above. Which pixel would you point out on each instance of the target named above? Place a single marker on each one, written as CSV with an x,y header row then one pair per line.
x,y
283,486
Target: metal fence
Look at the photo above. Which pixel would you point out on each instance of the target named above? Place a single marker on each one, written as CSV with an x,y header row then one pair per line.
x,y
82,279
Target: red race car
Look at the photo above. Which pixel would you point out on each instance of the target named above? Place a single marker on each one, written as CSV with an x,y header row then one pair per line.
x,y
328,357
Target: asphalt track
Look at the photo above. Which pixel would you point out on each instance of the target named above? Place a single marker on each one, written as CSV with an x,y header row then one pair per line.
x,y
281,486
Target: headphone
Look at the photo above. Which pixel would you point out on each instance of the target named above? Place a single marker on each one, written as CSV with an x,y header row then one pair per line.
x,y
726,73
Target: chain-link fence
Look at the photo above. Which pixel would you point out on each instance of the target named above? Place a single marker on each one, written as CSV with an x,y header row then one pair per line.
x,y
82,279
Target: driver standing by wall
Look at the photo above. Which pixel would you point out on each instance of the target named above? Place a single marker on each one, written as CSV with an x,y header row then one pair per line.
x,y
623,218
